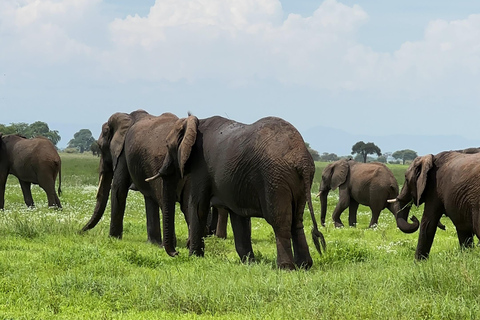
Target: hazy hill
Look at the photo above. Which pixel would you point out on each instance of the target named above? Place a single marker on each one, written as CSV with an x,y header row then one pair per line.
x,y
324,139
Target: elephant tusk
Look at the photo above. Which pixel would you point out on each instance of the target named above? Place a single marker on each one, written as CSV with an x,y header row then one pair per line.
x,y
99,184
392,200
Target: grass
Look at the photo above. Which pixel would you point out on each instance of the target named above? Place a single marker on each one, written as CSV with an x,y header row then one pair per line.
x,y
49,271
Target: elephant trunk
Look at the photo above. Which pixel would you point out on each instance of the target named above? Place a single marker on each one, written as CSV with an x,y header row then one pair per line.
x,y
323,209
402,209
168,211
103,193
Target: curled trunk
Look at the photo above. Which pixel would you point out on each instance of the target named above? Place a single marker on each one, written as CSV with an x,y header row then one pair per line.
x,y
401,215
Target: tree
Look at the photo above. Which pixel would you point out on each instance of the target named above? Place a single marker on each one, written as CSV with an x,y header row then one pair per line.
x,y
313,152
33,130
404,155
82,140
364,149
328,157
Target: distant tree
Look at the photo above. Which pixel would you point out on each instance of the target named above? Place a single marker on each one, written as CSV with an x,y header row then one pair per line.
x,y
387,155
313,152
364,149
95,149
328,157
404,155
33,130
82,140
382,159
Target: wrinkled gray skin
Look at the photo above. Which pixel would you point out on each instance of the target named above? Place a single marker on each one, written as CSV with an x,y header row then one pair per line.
x,y
31,161
369,184
132,149
258,170
447,183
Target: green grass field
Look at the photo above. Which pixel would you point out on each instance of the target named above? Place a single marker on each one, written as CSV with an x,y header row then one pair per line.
x,y
49,271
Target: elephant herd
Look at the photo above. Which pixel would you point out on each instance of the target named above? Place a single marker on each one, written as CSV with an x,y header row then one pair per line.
x,y
216,166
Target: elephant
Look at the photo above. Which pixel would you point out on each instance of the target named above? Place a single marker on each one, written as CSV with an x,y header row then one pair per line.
x,y
31,161
447,183
369,184
257,170
130,153
217,223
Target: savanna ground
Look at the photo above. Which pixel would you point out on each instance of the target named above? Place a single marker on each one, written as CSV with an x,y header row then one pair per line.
x,y
49,271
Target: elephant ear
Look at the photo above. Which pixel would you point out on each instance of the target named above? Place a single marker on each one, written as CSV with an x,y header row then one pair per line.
x,y
119,123
181,140
422,166
339,174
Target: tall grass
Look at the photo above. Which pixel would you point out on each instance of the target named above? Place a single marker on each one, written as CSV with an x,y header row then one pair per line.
x,y
49,271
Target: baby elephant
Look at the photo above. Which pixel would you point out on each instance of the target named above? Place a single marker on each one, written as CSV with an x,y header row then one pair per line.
x,y
369,184
31,161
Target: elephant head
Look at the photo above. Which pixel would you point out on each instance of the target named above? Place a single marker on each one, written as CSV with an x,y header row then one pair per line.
x,y
180,141
334,175
110,142
413,192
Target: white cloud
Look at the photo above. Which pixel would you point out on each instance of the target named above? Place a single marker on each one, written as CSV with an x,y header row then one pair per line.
x,y
38,32
239,41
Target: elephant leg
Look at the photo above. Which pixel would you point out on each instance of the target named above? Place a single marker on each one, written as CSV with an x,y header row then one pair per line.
x,y
27,193
302,256
3,181
352,213
198,221
242,235
120,184
153,221
375,215
212,222
428,227
465,238
221,231
49,188
343,203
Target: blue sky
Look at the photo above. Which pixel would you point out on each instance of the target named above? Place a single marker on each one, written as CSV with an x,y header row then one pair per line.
x,y
364,67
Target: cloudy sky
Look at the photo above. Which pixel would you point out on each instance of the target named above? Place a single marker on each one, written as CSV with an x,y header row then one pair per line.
x,y
365,67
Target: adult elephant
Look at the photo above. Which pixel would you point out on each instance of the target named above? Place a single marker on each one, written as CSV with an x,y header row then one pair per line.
x,y
258,170
132,148
447,183
31,161
369,184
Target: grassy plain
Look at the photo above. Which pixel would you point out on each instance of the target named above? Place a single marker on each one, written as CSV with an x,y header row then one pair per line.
x,y
49,271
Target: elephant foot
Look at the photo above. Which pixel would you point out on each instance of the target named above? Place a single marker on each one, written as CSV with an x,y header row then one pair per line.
x,y
248,258
155,242
304,264
197,252
287,266
338,224
373,226
353,225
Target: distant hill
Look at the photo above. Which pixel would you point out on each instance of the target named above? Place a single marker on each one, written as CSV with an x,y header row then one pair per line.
x,y
324,139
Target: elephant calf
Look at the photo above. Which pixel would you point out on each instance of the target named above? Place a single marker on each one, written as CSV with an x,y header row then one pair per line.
x,y
31,161
369,184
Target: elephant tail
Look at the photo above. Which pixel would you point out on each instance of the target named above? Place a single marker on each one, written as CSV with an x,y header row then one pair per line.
x,y
60,181
316,234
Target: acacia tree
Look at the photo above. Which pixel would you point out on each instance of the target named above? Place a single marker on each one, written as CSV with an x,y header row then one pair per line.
x,y
405,155
364,149
82,140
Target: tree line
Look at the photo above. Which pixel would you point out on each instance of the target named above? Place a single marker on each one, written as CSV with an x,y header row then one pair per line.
x,y
361,152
